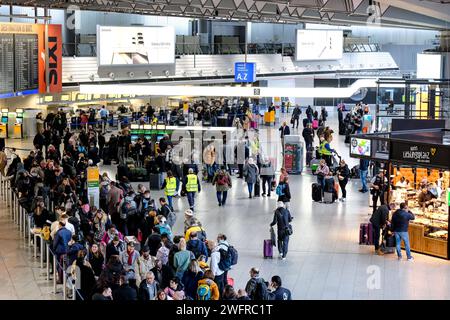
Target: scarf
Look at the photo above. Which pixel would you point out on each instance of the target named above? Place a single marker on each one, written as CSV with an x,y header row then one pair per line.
x,y
130,257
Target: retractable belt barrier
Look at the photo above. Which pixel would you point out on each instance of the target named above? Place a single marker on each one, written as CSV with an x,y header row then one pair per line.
x,y
24,222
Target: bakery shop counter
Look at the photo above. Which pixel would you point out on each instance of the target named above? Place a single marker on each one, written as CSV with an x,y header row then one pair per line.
x,y
423,241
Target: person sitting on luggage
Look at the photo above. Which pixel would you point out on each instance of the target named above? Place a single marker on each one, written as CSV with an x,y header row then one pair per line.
x,y
379,220
322,171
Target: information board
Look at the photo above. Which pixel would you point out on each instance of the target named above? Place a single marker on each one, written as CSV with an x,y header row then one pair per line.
x,y
26,62
6,63
319,45
244,72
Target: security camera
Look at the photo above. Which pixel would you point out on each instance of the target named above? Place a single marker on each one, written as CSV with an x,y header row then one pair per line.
x,y
111,75
131,74
167,73
149,74
92,77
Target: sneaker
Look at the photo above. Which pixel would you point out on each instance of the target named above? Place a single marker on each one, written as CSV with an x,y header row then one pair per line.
x,y
399,258
410,259
220,204
380,252
284,258
343,199
280,256
263,194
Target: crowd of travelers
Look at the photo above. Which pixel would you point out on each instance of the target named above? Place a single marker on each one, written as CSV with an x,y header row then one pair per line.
x,y
126,248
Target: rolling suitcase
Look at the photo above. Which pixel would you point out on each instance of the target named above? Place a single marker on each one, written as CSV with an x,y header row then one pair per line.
x,y
316,192
388,243
156,181
253,124
309,156
268,249
363,233
369,234
315,124
257,191
328,197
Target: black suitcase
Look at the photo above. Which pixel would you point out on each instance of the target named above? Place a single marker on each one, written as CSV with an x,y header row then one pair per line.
x,y
156,181
257,190
316,192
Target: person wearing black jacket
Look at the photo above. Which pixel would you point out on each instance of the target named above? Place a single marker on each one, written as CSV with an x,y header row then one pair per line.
x,y
148,288
308,135
154,242
286,196
379,220
282,218
279,293
343,173
39,140
163,273
124,292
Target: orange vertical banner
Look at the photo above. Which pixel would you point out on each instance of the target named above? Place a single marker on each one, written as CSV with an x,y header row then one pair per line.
x,y
54,56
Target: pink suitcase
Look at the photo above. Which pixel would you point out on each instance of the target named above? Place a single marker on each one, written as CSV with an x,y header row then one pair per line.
x,y
268,249
253,124
315,124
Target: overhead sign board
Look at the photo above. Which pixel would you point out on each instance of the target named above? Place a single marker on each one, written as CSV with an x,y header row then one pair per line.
x,y
319,45
244,72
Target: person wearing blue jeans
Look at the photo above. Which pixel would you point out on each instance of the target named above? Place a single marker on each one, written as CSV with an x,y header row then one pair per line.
x,y
400,225
363,171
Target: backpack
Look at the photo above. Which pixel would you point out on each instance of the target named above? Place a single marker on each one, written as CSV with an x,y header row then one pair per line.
x,y
222,180
204,292
171,218
226,259
260,291
280,190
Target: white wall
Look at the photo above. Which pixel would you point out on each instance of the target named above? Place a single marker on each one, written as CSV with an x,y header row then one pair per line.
x,y
304,82
270,32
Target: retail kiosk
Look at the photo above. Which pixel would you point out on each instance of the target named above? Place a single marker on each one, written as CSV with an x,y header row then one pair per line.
x,y
18,126
422,158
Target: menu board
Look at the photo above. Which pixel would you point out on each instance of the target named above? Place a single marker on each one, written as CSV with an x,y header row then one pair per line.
x,y
6,63
26,61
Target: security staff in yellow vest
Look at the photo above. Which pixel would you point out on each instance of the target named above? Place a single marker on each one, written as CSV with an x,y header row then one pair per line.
x,y
170,187
326,151
192,186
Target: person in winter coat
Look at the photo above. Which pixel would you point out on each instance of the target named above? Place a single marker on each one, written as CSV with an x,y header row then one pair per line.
x,y
282,218
196,246
222,181
148,288
130,260
343,174
182,259
251,174
175,286
101,223
96,259
190,279
379,220
267,176
278,292
115,247
308,136
73,248
322,171
285,195
146,262
163,273
124,292
208,279
256,288
109,236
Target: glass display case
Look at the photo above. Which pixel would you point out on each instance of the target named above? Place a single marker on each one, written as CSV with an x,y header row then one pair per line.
x,y
429,231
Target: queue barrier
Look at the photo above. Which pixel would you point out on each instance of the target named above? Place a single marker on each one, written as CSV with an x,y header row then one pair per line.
x,y
24,223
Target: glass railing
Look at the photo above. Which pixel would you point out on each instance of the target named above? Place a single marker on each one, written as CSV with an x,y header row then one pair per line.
x,y
186,48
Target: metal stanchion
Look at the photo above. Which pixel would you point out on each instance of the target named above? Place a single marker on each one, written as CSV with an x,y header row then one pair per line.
x,y
47,256
64,284
25,224
35,244
20,218
29,231
54,273
74,293
41,242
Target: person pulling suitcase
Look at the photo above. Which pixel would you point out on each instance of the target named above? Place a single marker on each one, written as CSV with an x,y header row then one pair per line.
x,y
282,218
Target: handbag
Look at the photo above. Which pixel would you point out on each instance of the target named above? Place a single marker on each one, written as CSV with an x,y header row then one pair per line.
x,y
289,230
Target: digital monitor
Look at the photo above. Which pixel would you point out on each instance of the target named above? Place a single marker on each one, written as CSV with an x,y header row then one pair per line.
x,y
319,45
360,147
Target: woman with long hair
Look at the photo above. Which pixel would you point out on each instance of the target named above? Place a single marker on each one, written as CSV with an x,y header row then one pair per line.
x,y
96,259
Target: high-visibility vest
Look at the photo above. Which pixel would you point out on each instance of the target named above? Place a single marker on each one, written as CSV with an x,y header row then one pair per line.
x,y
171,186
192,184
324,151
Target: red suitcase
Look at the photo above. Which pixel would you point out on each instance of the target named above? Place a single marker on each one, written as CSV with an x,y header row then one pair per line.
x,y
363,233
369,234
268,249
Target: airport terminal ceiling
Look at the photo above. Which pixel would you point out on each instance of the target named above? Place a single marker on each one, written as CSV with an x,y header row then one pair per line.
x,y
426,14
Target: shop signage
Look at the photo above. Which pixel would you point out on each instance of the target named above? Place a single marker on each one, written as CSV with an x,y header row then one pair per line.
x,y
244,72
54,57
424,154
93,186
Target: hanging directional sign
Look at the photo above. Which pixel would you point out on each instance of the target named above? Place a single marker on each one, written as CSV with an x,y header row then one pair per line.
x,y
244,72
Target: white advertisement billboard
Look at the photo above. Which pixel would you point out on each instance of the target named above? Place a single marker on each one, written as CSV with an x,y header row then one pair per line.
x,y
319,45
128,46
429,66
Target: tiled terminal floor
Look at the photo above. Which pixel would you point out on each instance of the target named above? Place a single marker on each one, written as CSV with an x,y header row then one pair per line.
x,y
324,260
